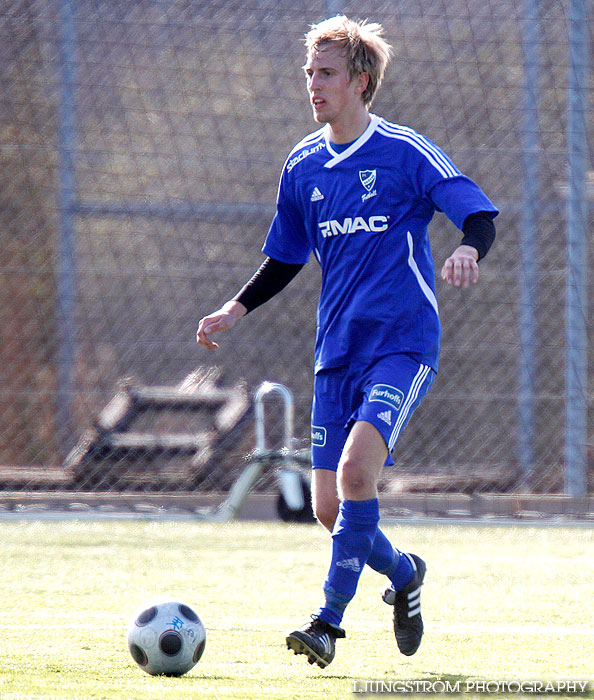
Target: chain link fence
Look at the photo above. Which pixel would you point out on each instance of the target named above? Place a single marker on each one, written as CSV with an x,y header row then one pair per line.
x,y
141,145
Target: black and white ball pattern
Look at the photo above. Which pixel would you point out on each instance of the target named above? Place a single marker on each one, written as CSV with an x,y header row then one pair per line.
x,y
166,638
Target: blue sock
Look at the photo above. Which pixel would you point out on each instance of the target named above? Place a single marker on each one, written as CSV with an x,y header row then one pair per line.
x,y
384,559
352,539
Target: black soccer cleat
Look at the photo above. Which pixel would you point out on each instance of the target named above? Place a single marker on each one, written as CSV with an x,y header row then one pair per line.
x,y
316,640
408,623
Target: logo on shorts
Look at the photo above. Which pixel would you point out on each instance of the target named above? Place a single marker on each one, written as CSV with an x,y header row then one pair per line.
x,y
353,564
387,394
318,436
386,416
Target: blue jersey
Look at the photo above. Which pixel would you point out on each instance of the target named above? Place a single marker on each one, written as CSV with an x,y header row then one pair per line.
x,y
364,213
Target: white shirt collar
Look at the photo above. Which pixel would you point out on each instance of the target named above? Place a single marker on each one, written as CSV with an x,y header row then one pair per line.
x,y
365,136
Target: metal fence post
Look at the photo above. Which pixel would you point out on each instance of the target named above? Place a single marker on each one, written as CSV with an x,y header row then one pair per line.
x,y
529,241
577,249
66,263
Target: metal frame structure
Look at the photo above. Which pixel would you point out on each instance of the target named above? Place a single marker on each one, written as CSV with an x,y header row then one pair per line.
x,y
286,460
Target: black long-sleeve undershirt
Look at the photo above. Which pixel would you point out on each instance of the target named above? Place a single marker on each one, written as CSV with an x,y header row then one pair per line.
x,y
479,232
271,277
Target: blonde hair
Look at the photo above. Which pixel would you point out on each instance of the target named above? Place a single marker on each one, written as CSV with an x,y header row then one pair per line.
x,y
366,51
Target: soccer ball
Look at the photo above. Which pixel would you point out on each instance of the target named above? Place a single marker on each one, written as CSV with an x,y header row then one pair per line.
x,y
166,638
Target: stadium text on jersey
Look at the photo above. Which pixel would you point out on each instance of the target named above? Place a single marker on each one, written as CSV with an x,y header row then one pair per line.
x,y
307,152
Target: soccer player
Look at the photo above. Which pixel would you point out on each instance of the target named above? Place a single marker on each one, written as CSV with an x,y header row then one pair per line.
x,y
359,193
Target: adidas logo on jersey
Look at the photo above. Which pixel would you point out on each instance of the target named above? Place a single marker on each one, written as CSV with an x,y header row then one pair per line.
x,y
352,564
316,195
386,416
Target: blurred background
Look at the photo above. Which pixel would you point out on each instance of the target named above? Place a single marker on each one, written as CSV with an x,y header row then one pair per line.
x,y
140,149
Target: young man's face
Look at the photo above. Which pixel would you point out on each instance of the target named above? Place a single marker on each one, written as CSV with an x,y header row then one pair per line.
x,y
332,92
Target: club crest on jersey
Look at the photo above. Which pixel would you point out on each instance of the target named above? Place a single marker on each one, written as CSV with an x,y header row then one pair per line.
x,y
368,178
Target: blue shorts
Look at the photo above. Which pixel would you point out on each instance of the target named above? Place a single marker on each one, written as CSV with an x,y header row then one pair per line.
x,y
384,394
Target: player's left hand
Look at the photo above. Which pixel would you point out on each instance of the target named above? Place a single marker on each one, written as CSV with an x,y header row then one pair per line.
x,y
461,268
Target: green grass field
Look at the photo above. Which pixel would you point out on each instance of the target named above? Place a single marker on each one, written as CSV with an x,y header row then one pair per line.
x,y
499,603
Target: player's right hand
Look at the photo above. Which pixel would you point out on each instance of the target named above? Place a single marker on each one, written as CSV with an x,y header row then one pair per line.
x,y
223,319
